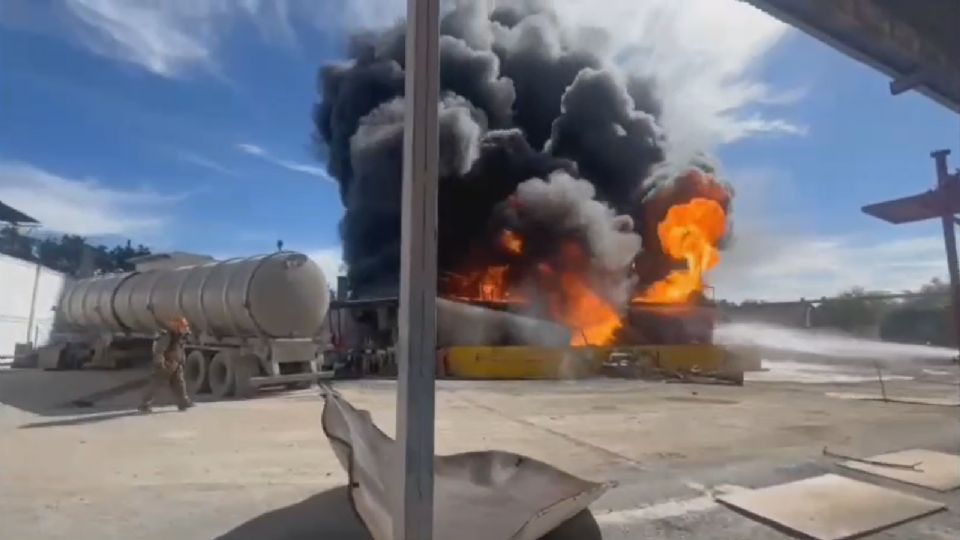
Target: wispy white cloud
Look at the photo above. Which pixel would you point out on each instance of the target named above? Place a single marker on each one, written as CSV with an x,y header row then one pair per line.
x,y
166,37
82,206
252,149
162,37
330,260
755,126
296,166
204,162
775,255
172,37
767,267
705,56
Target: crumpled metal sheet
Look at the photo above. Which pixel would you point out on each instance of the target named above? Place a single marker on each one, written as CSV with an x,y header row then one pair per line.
x,y
489,495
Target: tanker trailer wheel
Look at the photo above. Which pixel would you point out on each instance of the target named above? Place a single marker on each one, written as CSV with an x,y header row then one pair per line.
x,y
245,368
195,372
221,376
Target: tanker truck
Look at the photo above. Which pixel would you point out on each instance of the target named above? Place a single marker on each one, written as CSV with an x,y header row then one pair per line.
x,y
254,321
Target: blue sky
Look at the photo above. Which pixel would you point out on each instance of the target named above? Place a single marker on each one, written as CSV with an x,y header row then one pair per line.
x,y
186,125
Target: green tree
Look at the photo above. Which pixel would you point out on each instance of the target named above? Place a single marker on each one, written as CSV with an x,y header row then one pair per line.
x,y
923,320
13,243
70,253
120,256
851,310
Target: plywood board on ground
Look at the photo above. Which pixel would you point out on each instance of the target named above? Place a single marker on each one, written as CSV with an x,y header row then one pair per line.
x,y
912,400
934,470
830,507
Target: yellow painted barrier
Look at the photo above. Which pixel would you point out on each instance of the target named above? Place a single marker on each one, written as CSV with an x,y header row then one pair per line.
x,y
682,358
568,363
518,362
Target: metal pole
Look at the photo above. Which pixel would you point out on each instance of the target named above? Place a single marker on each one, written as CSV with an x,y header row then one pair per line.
x,y
883,387
944,181
413,503
33,305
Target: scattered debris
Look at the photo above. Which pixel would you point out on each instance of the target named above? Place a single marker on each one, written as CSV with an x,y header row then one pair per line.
x,y
940,471
909,466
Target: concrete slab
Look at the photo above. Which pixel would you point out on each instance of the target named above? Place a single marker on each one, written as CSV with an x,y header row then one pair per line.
x,y
830,507
262,468
934,470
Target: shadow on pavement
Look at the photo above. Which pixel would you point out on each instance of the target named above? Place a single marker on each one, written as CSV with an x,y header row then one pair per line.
x,y
88,419
79,392
582,526
69,393
325,515
328,515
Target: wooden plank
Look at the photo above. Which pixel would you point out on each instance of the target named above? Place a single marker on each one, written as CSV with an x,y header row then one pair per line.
x,y
830,507
413,500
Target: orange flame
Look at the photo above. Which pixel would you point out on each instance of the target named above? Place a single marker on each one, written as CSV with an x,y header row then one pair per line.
x,y
493,284
573,303
511,241
689,232
570,299
590,318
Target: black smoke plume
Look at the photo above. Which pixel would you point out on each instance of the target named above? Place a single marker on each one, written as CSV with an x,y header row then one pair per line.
x,y
538,135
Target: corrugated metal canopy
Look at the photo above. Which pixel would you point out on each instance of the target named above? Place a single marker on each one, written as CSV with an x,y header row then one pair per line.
x,y
915,42
10,214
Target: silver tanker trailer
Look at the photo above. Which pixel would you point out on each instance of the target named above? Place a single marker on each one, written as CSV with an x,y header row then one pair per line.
x,y
254,321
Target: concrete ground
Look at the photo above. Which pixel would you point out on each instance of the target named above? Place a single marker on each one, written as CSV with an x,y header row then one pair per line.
x,y
262,469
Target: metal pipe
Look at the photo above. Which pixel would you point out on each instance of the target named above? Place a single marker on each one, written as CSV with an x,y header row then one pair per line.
x,y
944,182
460,324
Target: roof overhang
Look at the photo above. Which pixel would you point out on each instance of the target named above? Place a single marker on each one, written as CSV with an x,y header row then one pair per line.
x,y
931,204
916,43
9,214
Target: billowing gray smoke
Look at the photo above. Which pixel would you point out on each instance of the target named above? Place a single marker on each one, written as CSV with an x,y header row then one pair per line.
x,y
538,135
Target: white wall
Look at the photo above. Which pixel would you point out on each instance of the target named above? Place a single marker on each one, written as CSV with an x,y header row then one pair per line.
x,y
16,289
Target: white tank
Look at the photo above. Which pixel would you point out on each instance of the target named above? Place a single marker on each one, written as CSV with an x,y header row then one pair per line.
x,y
281,295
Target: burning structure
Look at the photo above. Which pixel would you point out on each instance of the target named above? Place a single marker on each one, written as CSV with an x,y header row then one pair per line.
x,y
557,198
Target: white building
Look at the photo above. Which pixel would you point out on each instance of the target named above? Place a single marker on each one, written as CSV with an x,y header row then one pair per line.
x,y
29,294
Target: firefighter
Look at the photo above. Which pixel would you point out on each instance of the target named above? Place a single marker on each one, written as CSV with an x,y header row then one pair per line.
x,y
168,359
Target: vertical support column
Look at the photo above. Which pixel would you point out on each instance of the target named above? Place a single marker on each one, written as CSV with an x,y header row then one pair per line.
x,y
413,503
946,184
31,318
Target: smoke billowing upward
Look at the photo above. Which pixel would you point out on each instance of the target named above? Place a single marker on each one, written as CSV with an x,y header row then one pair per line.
x,y
539,136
